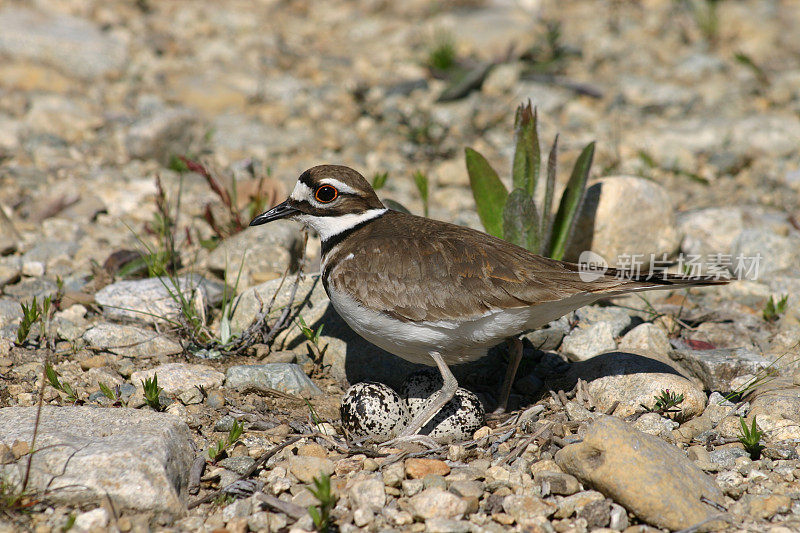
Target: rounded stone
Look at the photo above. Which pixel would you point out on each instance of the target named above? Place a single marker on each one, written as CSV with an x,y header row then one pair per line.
x,y
625,216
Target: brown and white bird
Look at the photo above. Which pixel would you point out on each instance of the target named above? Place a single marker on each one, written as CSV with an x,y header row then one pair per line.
x,y
432,292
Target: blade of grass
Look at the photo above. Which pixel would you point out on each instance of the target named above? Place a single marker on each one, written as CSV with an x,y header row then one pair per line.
x,y
520,220
489,192
547,207
570,203
527,158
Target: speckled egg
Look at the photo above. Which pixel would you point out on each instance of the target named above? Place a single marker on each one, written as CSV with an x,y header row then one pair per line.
x,y
458,419
373,412
418,387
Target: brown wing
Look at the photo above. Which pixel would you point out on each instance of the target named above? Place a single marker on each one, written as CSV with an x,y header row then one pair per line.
x,y
421,269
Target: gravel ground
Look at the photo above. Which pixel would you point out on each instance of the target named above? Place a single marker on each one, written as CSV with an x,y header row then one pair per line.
x,y
695,107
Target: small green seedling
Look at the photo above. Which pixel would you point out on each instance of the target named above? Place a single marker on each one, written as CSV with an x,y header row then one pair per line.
x,y
775,308
31,314
379,180
320,514
61,386
421,181
665,402
69,523
314,416
311,335
515,216
112,394
224,499
751,438
706,17
152,392
216,451
316,352
767,374
14,498
442,54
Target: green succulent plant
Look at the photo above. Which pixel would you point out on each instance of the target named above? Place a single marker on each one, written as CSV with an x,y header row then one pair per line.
x,y
515,216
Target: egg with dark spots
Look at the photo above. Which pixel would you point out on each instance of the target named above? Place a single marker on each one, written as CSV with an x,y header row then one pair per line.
x,y
373,412
462,416
418,387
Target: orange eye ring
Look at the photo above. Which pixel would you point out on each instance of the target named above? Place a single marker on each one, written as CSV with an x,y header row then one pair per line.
x,y
326,194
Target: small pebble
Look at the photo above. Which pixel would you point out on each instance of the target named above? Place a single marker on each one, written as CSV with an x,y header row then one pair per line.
x,y
418,468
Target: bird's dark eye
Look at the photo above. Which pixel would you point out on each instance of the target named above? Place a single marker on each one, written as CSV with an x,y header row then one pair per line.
x,y
326,194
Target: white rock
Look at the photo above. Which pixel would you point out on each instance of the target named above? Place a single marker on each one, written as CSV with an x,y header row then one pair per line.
x,y
178,378
646,338
34,269
130,341
585,342
625,216
368,494
90,520
138,458
712,230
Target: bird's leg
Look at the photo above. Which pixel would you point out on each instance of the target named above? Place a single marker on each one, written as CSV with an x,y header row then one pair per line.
x,y
515,353
436,402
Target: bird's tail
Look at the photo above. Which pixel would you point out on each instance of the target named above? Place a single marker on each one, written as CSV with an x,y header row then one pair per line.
x,y
620,281
604,281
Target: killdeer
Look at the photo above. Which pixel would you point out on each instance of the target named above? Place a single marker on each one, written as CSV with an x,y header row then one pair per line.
x,y
432,292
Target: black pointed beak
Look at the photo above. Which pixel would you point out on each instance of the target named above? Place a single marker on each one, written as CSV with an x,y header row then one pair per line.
x,y
281,210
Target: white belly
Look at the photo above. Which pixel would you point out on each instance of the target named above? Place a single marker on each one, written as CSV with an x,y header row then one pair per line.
x,y
457,341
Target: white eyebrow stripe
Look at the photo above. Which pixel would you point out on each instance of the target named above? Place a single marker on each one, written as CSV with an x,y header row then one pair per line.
x,y
342,187
301,192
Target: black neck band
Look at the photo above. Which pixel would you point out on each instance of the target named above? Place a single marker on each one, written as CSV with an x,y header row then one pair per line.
x,y
329,243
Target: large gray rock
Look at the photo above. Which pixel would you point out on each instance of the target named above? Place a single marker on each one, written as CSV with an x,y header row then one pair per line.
x,y
130,341
776,408
140,459
156,300
712,230
438,503
285,377
717,368
624,216
651,478
266,251
631,379
767,250
74,46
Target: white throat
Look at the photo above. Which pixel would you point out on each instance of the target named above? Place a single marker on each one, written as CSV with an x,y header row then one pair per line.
x,y
330,226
